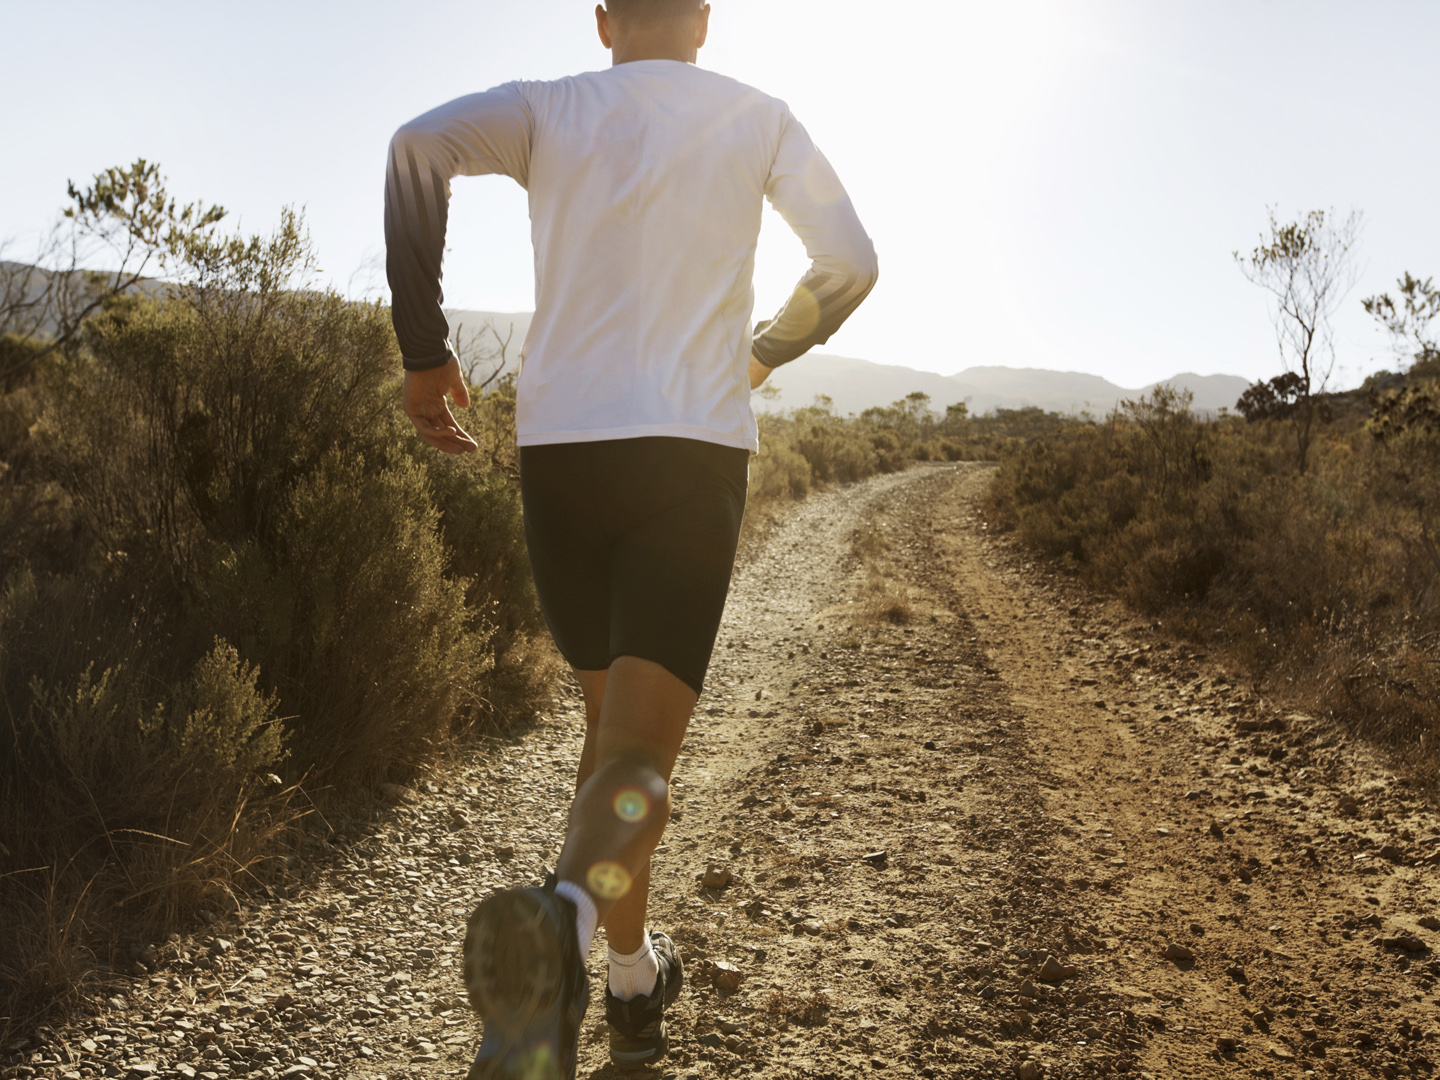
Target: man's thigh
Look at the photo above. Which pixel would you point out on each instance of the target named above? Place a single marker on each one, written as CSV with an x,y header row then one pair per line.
x,y
670,574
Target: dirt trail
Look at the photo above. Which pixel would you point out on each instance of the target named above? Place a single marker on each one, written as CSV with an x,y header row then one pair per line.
x,y
963,808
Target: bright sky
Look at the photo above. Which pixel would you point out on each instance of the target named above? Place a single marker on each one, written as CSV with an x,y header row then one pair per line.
x,y
1052,184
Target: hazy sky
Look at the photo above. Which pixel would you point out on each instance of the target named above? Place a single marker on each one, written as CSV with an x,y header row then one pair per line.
x,y
1051,184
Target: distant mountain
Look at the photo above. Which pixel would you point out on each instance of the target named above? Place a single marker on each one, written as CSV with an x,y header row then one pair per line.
x,y
856,385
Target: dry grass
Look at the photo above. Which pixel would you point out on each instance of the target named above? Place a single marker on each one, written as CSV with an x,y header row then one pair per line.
x,y
885,599
71,923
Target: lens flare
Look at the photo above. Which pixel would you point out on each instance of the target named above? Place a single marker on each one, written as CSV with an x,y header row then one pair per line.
x,y
609,880
802,313
822,183
631,805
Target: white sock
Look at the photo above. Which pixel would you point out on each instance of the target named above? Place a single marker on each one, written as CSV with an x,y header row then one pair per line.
x,y
634,975
586,917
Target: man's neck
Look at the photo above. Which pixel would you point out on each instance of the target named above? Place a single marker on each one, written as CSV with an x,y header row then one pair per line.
x,y
656,46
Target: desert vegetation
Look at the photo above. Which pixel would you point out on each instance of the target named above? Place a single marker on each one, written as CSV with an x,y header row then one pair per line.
x,y
233,587
1298,538
812,447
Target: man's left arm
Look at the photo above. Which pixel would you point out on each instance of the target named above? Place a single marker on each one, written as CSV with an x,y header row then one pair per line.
x,y
474,135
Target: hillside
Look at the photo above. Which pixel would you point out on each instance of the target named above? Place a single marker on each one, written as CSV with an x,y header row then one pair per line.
x,y
855,385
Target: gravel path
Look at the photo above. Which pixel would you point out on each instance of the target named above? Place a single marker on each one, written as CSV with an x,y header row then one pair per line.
x,y
940,814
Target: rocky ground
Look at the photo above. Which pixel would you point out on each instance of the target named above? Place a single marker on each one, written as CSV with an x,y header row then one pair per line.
x,y
941,814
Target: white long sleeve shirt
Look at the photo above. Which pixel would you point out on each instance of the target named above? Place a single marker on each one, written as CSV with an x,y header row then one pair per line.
x,y
646,185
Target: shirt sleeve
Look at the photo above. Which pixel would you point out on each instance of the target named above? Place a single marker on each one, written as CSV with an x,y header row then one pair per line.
x,y
470,136
803,187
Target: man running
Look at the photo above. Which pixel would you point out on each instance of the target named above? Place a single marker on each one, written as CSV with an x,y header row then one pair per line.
x,y
647,182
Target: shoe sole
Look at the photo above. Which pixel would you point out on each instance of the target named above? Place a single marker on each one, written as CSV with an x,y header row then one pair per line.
x,y
638,1059
514,972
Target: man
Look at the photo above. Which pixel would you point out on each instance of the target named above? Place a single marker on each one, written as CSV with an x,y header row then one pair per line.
x,y
647,183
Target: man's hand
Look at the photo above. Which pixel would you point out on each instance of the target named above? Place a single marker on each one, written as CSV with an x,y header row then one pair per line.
x,y
758,373
424,402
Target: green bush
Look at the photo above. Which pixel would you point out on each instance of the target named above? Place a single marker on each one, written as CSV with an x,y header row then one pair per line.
x,y
781,472
233,569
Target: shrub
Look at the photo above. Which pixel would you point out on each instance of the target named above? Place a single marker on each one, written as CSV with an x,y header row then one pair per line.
x,y
217,495
780,472
1329,575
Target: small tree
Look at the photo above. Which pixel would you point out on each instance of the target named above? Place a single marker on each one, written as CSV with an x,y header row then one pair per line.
x,y
1308,267
1408,322
1171,456
125,218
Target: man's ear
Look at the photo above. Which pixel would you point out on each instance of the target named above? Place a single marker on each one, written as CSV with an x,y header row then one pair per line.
x,y
602,23
702,27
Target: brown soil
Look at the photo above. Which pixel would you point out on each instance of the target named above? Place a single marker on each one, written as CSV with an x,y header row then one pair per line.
x,y
965,808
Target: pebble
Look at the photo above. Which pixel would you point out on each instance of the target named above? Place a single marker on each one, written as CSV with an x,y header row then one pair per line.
x,y
1177,952
727,976
1406,943
1053,971
716,877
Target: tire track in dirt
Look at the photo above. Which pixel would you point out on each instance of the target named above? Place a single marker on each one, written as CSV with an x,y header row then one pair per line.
x,y
926,766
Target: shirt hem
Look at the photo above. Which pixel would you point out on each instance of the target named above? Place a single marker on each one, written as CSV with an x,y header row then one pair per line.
x,y
676,431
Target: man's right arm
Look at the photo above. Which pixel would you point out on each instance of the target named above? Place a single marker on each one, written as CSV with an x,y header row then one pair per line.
x,y
470,136
803,187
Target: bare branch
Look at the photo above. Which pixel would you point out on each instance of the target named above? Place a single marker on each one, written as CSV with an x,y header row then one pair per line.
x,y
476,353
124,218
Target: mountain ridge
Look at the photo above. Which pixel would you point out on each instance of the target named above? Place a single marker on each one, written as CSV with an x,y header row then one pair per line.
x,y
854,385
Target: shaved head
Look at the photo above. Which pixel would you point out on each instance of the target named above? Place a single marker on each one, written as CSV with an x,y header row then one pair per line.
x,y
651,10
653,29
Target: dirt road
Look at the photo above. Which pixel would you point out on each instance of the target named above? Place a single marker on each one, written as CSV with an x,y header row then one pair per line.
x,y
972,822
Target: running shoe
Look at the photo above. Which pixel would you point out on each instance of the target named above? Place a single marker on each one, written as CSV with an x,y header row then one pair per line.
x,y
525,977
637,1027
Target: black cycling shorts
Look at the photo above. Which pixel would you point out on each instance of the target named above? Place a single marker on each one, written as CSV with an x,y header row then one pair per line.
x,y
632,542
